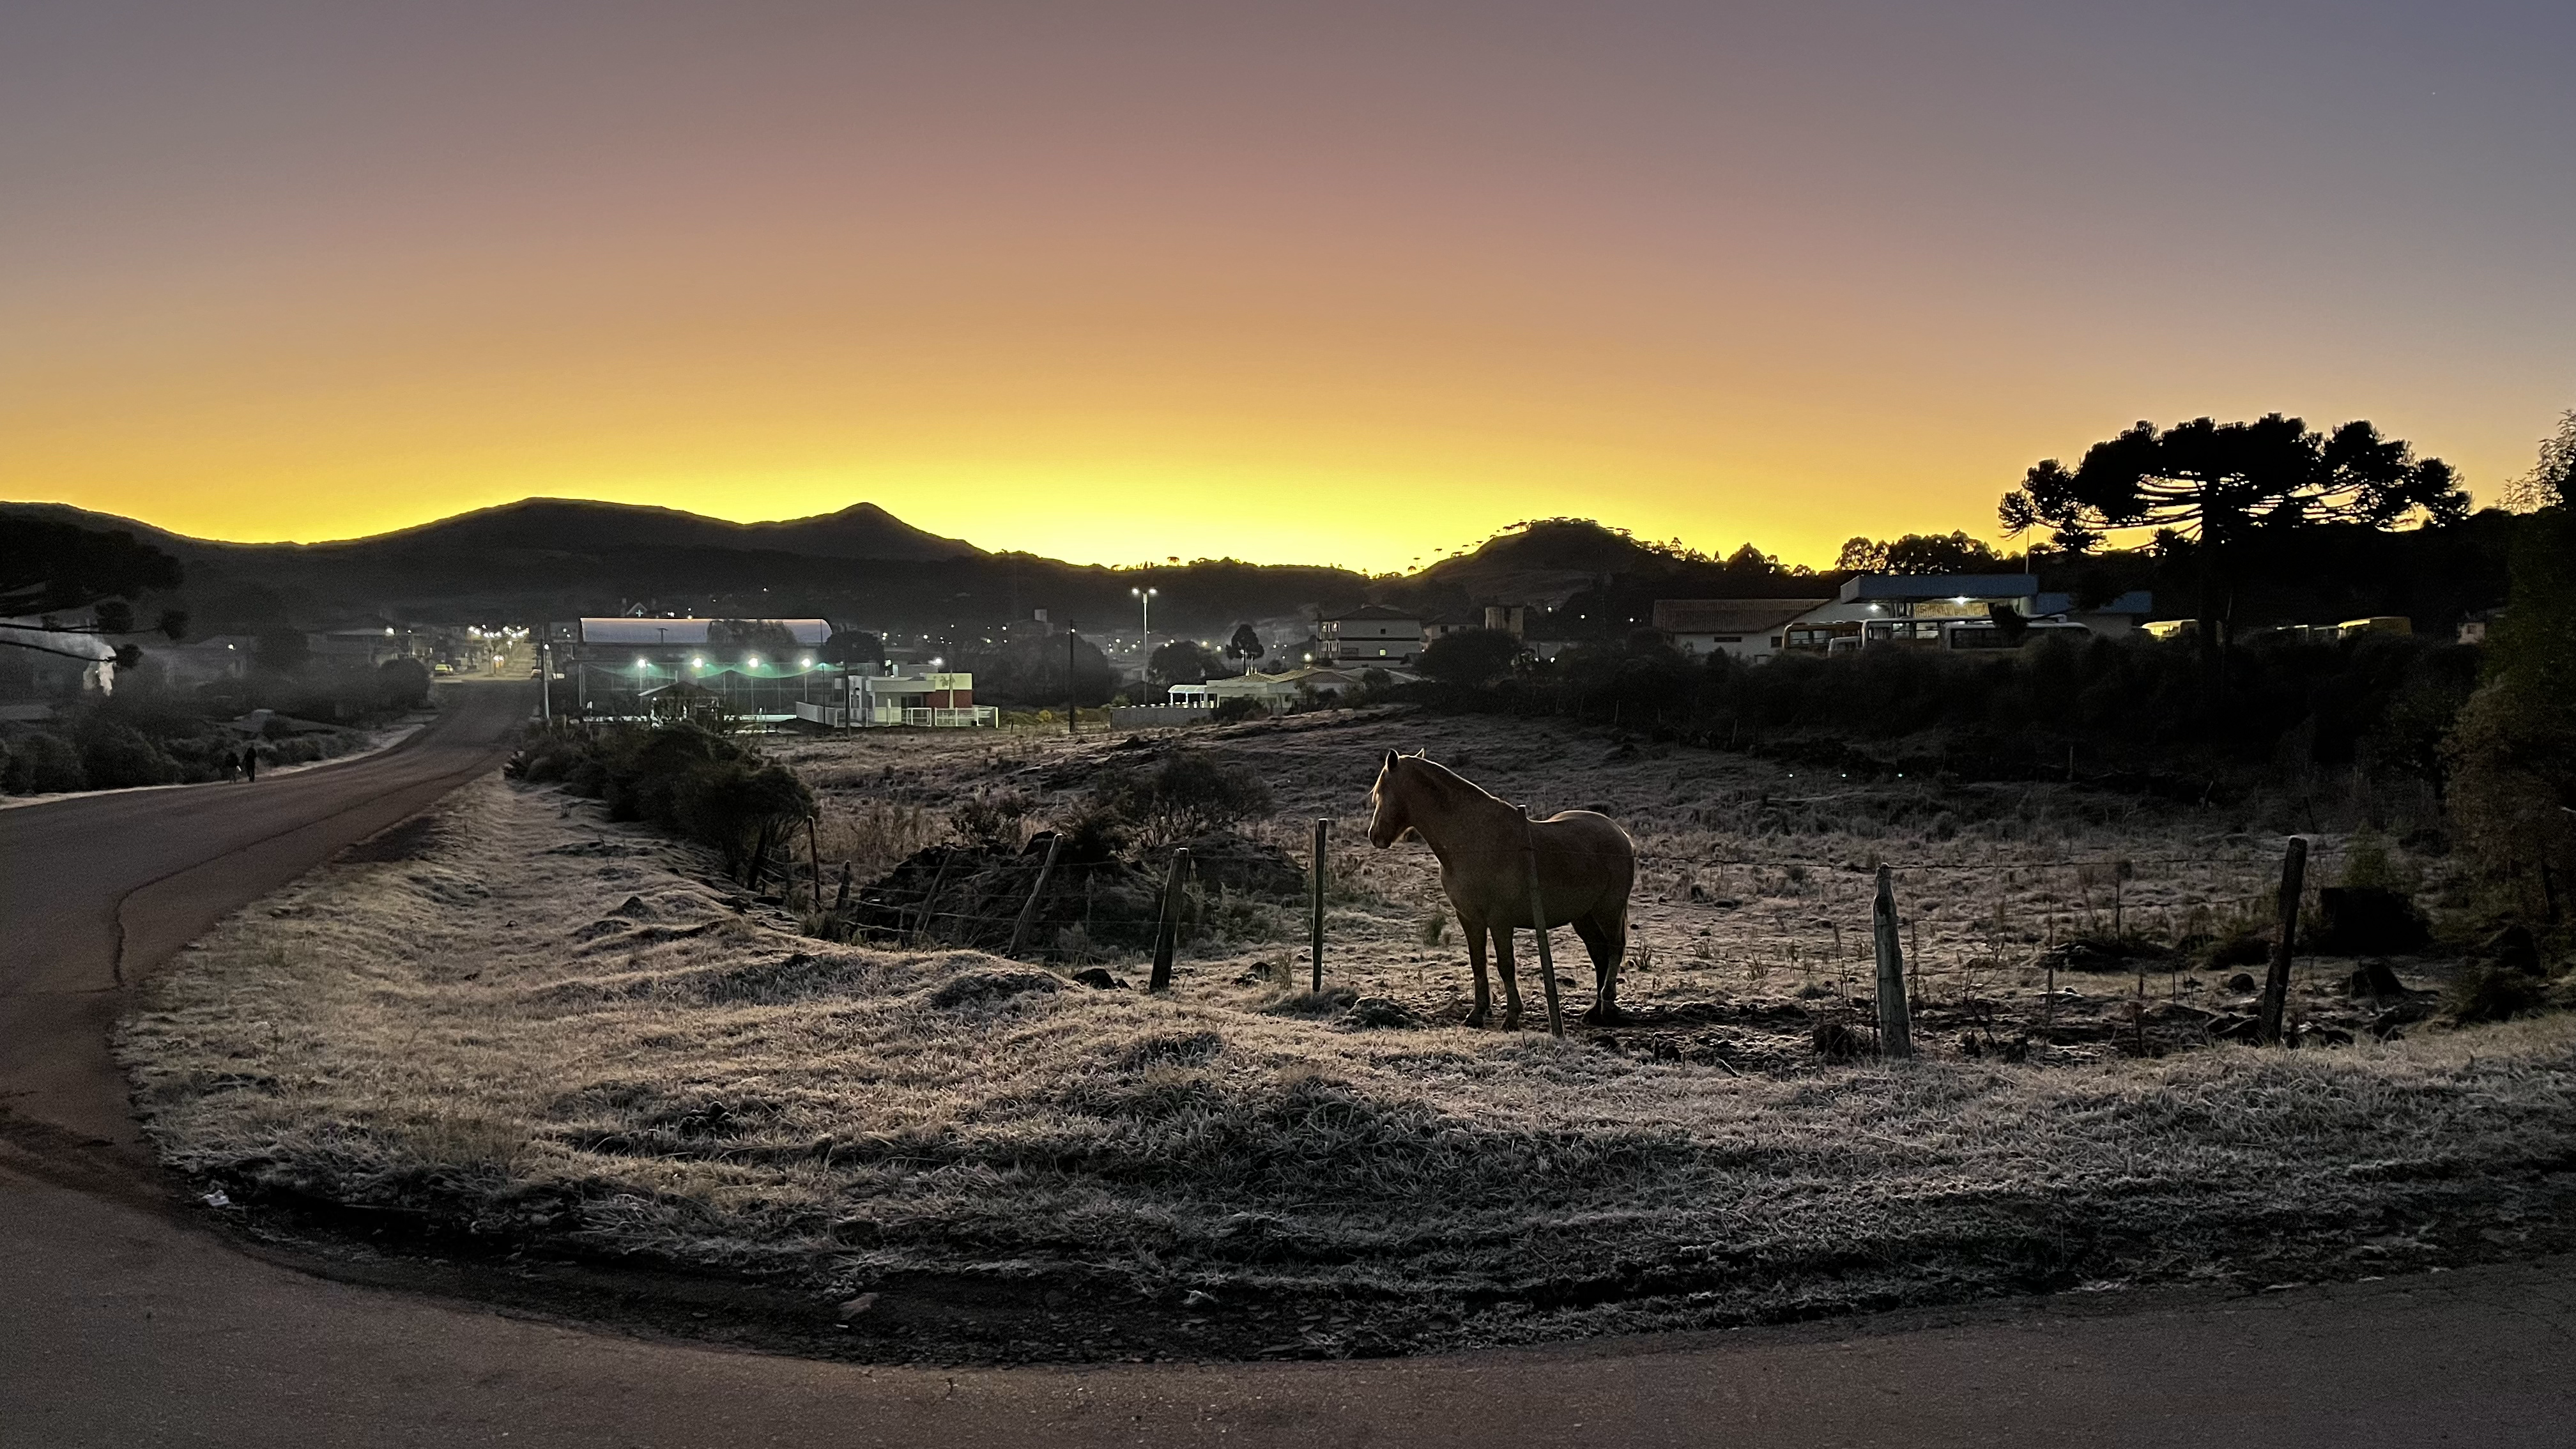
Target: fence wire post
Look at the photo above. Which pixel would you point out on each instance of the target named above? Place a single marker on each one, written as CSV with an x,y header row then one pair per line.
x,y
1538,926
1167,930
1895,1024
2276,985
1037,893
929,900
1321,827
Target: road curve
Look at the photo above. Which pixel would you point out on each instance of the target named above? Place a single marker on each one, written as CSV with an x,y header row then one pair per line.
x,y
125,1320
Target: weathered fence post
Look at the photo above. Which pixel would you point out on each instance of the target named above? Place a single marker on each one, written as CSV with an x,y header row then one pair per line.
x,y
2276,986
1167,930
1037,893
1321,826
929,900
1895,1023
813,867
841,897
1538,927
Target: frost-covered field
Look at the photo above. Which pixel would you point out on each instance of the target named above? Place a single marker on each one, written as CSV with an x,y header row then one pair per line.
x,y
517,1025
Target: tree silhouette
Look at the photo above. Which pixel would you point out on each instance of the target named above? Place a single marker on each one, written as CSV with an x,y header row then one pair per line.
x,y
1183,661
1920,553
2221,486
1246,643
1471,656
854,647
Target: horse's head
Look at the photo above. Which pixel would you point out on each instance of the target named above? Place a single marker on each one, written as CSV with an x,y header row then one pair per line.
x,y
1389,819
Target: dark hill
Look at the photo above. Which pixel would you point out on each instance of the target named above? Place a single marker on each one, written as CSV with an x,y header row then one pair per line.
x,y
547,525
1594,578
546,558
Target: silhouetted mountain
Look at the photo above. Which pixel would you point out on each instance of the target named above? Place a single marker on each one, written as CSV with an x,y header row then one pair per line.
x,y
547,525
1579,567
546,558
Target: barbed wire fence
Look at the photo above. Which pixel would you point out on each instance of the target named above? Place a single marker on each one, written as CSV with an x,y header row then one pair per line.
x,y
1970,929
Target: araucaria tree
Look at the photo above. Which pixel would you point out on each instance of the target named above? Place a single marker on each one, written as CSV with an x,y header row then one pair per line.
x,y
2221,486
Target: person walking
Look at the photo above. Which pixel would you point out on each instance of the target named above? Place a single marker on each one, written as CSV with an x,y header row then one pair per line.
x,y
250,763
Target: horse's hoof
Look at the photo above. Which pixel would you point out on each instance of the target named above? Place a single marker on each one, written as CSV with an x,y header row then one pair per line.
x,y
1512,1021
1475,1018
1605,1016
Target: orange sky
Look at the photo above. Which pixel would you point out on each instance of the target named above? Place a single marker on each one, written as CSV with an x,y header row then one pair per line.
x,y
1317,283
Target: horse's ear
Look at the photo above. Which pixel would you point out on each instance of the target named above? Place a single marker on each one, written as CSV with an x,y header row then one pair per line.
x,y
1389,762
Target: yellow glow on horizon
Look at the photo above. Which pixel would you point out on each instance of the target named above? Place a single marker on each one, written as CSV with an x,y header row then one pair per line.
x,y
1335,285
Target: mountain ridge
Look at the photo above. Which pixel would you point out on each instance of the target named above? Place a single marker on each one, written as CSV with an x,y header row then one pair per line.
x,y
860,531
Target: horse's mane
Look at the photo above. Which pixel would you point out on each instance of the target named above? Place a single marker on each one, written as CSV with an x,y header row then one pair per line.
x,y
1445,781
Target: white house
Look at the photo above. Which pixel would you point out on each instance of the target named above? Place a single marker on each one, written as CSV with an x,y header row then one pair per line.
x,y
1744,628
1370,634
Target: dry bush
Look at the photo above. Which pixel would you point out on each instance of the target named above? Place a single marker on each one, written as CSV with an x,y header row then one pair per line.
x,y
873,835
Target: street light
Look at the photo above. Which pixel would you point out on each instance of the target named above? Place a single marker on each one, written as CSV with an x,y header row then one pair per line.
x,y
1145,599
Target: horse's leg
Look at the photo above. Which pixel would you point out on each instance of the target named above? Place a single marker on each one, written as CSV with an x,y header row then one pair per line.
x,y
1597,946
1607,940
1511,982
1475,930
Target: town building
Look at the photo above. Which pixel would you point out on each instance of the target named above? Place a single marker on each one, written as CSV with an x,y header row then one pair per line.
x,y
1279,692
1956,611
1738,628
1440,626
1371,634
632,668
367,642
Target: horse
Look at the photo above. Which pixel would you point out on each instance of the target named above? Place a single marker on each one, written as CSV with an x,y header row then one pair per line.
x,y
1586,867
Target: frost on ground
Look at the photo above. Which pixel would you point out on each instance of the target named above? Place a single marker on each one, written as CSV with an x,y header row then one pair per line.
x,y
515,1025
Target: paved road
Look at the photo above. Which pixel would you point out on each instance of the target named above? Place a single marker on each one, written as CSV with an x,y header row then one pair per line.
x,y
124,1321
97,891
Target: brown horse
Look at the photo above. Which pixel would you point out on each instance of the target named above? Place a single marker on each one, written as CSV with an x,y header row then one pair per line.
x,y
1586,865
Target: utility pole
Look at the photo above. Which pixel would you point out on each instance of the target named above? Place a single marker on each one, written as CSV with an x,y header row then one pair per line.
x,y
1145,647
546,679
1072,696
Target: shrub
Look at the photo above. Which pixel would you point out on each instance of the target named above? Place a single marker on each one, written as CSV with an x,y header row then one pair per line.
x,y
1190,793
2493,991
43,764
993,822
683,777
116,756
1471,656
1235,708
402,684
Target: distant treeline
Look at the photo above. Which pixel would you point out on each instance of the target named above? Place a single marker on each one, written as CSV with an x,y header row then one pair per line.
x,y
2385,700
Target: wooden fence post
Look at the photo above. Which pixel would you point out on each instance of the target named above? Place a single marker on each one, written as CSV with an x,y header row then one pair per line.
x,y
813,867
1167,930
1321,826
1895,1023
2276,986
1029,912
1538,927
929,900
